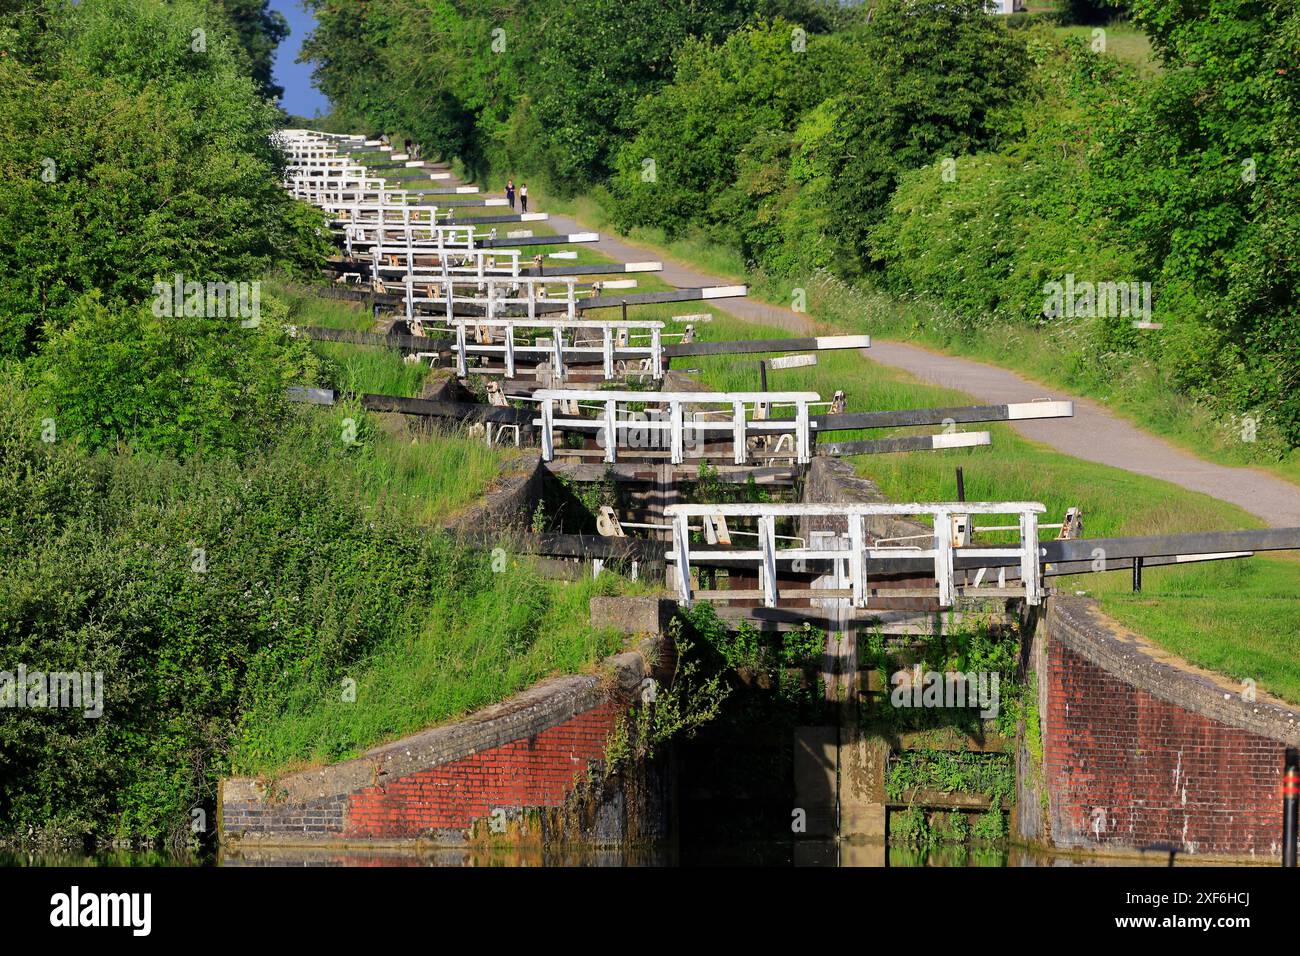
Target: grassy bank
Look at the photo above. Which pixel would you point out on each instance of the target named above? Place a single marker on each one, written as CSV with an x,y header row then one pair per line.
x,y
1128,385
226,597
484,637
428,472
490,631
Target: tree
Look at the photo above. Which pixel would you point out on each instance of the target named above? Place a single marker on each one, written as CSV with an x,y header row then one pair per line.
x,y
133,146
1204,168
259,30
171,383
934,76
596,59
696,129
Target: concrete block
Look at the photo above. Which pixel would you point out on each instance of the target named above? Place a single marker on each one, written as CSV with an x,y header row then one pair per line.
x,y
633,615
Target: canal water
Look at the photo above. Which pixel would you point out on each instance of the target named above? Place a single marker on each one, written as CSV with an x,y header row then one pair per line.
x,y
808,853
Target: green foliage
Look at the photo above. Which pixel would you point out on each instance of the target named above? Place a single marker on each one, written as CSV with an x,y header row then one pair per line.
x,y
990,826
952,771
1090,12
531,86
987,236
127,156
478,636
695,129
596,59
692,698
934,76
224,603
787,663
910,826
791,153
1186,178
952,827
707,486
259,30
175,384
1204,166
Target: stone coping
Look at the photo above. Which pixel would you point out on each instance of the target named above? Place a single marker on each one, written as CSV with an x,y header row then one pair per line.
x,y
1080,625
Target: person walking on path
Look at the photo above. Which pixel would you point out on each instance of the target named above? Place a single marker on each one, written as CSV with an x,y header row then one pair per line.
x,y
523,199
510,192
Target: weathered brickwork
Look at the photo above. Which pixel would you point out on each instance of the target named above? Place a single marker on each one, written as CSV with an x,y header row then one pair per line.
x,y
1141,752
528,753
538,771
316,816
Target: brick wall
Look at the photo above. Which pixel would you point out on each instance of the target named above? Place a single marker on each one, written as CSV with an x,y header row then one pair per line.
x,y
1142,752
528,753
537,771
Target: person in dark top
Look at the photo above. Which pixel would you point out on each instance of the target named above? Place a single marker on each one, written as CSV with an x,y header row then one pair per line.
x,y
510,193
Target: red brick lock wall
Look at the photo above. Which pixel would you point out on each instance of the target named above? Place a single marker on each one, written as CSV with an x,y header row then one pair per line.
x,y
1138,755
537,771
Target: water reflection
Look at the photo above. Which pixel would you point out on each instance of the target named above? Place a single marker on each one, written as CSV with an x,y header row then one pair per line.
x,y
107,858
806,853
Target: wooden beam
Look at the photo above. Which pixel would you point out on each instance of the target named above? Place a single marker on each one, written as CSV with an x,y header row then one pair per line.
x,y
889,446
752,346
1015,411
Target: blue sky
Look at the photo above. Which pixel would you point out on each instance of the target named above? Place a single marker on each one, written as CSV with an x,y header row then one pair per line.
x,y
300,97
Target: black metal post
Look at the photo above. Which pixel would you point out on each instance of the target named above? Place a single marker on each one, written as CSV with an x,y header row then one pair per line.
x,y
762,375
1290,792
1137,575
961,485
625,310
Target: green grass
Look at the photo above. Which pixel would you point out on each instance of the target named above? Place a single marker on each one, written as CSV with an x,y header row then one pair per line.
x,y
1124,42
430,479
359,369
428,474
472,649
1240,618
1136,390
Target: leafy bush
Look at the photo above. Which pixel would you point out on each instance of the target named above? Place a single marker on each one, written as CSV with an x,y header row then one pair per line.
x,y
129,155
175,384
792,153
224,602
758,80
952,771
1186,179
